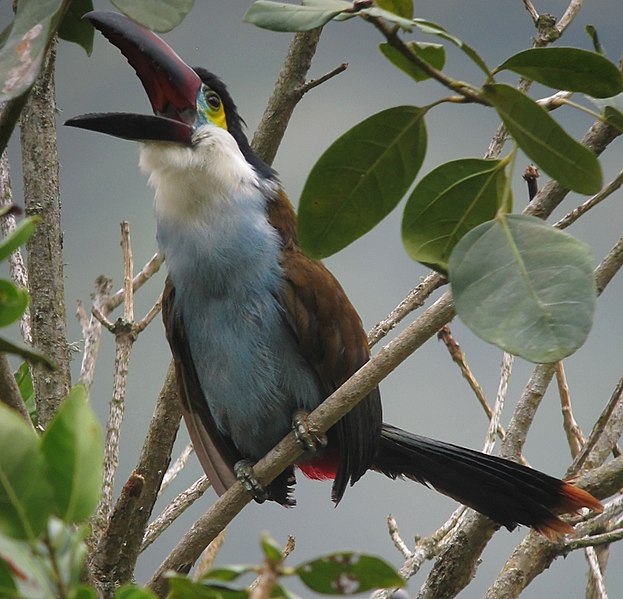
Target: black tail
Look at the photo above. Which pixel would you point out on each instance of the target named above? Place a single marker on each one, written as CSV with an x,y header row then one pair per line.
x,y
507,492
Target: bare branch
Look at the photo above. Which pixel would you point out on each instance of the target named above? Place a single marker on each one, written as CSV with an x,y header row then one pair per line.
x,y
414,299
114,558
176,467
174,510
607,191
9,391
45,252
289,89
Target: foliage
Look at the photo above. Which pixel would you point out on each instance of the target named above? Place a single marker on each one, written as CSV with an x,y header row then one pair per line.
x,y
455,220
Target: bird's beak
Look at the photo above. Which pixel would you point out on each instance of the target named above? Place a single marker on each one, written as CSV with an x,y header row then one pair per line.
x,y
171,85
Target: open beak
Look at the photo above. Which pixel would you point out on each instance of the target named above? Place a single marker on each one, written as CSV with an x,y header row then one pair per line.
x,y
171,85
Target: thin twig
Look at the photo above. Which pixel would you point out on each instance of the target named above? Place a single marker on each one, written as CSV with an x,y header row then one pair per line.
x,y
575,438
413,300
174,510
394,534
175,468
583,208
312,83
534,14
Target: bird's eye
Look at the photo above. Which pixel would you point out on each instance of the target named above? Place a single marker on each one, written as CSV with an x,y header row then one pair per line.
x,y
213,100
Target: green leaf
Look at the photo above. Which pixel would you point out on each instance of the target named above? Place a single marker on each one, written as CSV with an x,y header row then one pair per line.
x,y
19,236
25,351
433,54
23,378
402,8
8,587
347,573
184,588
271,550
228,573
360,179
66,543
447,203
279,16
524,286
32,574
13,301
613,117
74,29
131,591
84,592
570,69
544,141
21,56
592,33
72,447
24,489
434,29
375,11
157,15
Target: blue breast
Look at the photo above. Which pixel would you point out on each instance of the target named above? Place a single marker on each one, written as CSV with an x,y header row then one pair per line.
x,y
226,272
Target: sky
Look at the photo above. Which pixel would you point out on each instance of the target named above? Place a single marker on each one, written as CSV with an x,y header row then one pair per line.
x,y
101,186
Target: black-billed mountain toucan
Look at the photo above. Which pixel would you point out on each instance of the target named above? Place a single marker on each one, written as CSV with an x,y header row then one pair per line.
x,y
260,332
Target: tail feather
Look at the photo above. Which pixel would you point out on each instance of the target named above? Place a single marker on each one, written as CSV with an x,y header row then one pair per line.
x,y
507,492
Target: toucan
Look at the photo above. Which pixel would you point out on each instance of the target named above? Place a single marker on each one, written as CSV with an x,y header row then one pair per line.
x,y
259,332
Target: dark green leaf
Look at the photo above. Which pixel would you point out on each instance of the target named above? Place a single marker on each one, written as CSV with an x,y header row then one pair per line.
x,y
347,573
34,24
131,591
23,379
592,33
278,16
184,588
7,585
24,489
433,54
524,286
25,351
434,29
72,447
571,69
402,8
228,573
360,179
447,203
157,15
84,592
74,29
19,236
544,141
13,302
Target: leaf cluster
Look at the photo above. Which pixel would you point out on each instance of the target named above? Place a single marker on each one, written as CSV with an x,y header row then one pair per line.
x,y
457,217
343,573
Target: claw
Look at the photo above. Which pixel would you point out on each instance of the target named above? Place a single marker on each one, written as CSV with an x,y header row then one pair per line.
x,y
244,473
309,440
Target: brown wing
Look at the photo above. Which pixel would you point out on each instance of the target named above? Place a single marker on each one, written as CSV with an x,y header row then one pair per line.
x,y
330,336
216,453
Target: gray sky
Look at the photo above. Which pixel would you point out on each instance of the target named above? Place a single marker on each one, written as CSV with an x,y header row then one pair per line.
x,y
102,186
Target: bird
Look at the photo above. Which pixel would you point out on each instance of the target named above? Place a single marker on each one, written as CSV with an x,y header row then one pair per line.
x,y
260,333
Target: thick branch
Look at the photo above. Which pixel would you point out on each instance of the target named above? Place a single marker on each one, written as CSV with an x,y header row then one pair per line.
x,y
288,90
45,247
114,558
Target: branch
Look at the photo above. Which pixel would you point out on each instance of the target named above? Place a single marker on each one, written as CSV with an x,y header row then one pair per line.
x,y
289,89
45,251
114,559
286,452
9,391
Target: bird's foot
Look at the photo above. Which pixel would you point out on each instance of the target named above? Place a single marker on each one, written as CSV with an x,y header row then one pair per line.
x,y
309,440
244,474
